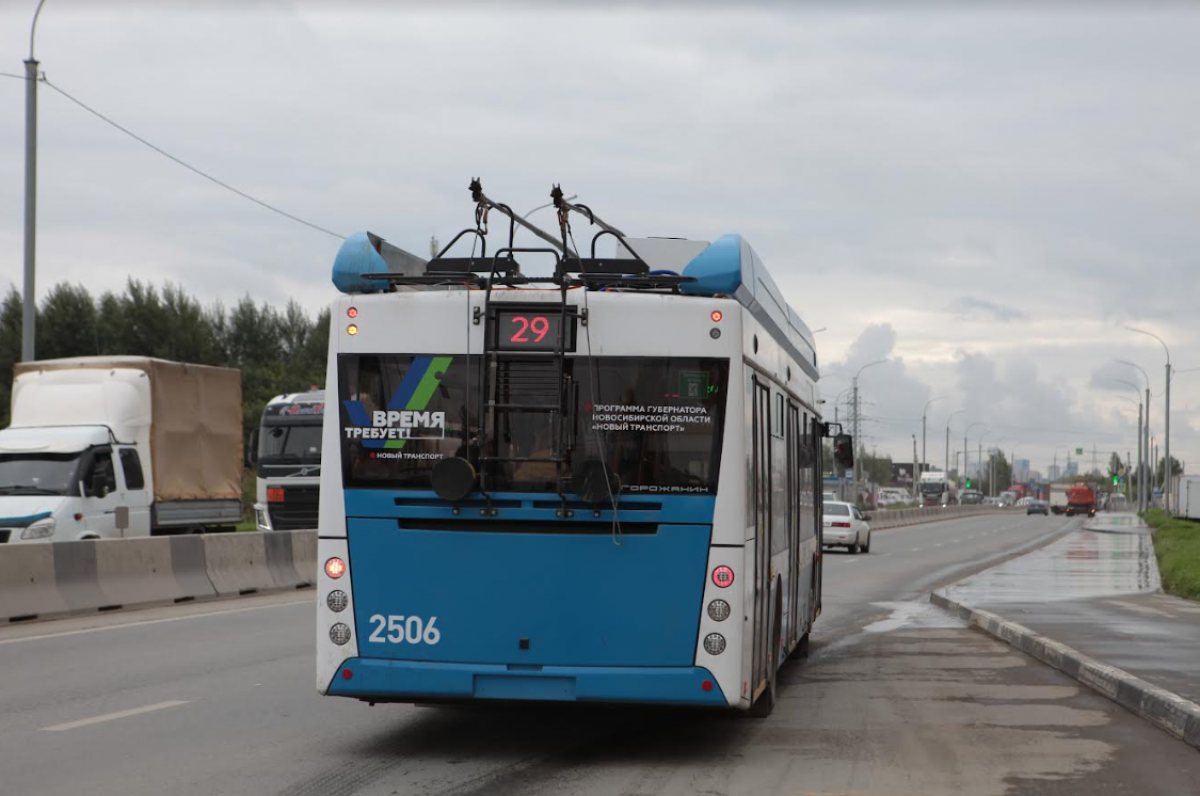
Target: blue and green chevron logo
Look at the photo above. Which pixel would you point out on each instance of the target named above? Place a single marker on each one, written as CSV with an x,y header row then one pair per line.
x,y
405,417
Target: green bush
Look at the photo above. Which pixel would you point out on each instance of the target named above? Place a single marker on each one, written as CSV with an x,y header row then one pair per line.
x,y
1177,547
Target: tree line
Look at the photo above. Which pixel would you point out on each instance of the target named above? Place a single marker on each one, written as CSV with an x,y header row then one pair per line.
x,y
277,350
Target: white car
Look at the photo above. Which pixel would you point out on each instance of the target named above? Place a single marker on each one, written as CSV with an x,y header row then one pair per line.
x,y
845,525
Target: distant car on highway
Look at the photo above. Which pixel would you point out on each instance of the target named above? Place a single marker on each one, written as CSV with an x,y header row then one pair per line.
x,y
970,497
1037,507
846,526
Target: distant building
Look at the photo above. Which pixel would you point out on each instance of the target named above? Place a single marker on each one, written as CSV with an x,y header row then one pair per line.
x,y
1072,469
1055,472
1020,470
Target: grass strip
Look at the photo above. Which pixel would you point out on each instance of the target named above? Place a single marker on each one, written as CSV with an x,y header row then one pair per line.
x,y
1177,547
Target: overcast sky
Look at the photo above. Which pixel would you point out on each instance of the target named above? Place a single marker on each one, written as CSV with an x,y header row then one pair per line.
x,y
984,198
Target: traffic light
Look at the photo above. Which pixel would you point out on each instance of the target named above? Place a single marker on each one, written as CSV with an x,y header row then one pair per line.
x,y
1116,480
968,483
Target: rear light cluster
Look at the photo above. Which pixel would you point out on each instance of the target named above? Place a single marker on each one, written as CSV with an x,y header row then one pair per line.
x,y
337,601
841,525
719,610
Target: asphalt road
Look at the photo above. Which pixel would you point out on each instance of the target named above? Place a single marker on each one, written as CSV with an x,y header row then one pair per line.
x,y
896,699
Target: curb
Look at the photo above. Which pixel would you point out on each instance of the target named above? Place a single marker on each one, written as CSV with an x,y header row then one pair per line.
x,y
1168,711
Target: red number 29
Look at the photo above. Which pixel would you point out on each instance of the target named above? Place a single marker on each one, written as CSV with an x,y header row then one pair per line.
x,y
539,326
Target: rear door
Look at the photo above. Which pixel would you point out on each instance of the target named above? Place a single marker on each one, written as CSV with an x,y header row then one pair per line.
x,y
761,467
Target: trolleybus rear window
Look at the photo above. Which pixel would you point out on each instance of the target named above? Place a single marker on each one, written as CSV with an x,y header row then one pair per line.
x,y
655,421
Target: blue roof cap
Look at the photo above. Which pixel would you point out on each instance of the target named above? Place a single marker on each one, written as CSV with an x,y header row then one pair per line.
x,y
717,269
729,267
357,256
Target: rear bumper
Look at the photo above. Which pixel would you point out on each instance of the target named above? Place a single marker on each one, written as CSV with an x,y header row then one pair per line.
x,y
379,680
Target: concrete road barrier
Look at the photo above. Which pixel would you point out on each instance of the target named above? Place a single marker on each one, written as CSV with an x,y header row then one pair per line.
x,y
882,520
134,574
189,564
27,587
53,579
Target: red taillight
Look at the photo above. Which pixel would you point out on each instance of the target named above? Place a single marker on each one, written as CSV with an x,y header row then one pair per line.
x,y
707,685
723,577
274,494
335,568
841,525
717,315
352,312
347,674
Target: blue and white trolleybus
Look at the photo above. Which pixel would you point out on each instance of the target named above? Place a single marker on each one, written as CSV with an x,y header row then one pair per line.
x,y
601,485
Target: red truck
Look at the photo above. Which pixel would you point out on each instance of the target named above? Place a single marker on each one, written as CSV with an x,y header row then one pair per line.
x,y
1081,500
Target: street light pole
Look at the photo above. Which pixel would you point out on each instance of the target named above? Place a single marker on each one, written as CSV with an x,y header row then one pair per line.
x,y
1167,421
857,413
959,412
842,481
967,451
28,294
924,415
1144,476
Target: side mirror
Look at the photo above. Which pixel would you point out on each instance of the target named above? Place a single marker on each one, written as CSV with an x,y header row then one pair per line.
x,y
843,450
866,518
99,485
252,449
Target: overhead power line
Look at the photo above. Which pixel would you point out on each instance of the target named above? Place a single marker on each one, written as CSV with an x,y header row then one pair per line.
x,y
189,166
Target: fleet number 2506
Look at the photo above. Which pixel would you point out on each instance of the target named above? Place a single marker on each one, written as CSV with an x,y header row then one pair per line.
x,y
404,629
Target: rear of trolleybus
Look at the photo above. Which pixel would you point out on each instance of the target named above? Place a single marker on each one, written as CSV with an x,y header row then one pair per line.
x,y
577,546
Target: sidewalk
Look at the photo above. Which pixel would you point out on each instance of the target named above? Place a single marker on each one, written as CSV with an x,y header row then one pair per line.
x,y
1096,591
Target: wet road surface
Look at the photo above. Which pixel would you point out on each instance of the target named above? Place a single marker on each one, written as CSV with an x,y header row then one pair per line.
x,y
1098,591
896,699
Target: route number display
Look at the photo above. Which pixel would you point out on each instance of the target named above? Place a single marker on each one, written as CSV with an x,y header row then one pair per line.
x,y
531,331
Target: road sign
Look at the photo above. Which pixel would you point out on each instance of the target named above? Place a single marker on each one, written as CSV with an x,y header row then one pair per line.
x,y
1079,451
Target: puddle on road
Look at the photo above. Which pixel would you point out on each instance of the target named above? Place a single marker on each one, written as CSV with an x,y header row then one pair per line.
x,y
917,614
1081,565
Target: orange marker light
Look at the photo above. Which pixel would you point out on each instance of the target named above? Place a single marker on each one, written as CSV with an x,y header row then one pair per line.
x,y
352,329
352,312
717,315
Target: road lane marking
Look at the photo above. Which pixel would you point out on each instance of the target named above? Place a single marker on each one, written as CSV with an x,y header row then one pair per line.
x,y
84,630
939,544
120,714
914,550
